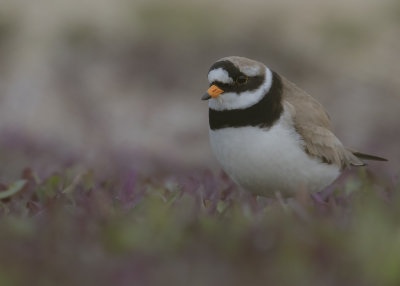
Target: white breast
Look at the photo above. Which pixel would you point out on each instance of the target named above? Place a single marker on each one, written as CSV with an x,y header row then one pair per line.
x,y
264,161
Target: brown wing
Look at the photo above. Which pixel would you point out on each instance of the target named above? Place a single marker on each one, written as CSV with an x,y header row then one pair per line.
x,y
313,124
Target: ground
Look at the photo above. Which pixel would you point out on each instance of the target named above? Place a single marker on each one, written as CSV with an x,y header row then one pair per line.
x,y
79,227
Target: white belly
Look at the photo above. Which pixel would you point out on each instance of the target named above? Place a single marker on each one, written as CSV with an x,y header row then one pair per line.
x,y
266,161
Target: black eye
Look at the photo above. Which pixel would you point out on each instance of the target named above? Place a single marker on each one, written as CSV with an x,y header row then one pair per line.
x,y
242,80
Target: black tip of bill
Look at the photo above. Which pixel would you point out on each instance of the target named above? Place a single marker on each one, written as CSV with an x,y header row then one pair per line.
x,y
206,96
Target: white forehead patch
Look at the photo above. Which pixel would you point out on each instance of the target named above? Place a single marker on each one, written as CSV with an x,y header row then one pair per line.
x,y
220,75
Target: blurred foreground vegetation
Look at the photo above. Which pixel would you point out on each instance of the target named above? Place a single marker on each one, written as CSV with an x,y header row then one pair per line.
x,y
75,228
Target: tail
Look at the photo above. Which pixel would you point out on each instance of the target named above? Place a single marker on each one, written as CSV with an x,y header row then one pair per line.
x,y
368,156
358,157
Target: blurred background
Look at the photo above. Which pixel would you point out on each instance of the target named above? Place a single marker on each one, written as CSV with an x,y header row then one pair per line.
x,y
93,80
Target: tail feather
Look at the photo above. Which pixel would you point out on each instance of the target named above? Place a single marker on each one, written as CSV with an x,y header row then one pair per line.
x,y
368,156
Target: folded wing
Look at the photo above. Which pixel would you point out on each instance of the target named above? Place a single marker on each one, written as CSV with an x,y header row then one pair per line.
x,y
313,124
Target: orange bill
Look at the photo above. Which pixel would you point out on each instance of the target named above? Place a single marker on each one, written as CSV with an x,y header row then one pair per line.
x,y
214,91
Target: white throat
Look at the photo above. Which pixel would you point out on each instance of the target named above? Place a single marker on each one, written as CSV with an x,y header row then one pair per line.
x,y
233,100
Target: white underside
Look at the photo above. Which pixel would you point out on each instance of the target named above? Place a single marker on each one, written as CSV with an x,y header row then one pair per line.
x,y
264,161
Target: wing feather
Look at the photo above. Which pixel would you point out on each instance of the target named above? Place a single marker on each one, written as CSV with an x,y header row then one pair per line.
x,y
313,124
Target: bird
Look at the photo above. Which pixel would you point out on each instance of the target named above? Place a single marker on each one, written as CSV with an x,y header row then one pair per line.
x,y
269,135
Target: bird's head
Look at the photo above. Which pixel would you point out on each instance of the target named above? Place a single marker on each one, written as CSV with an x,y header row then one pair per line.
x,y
237,83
